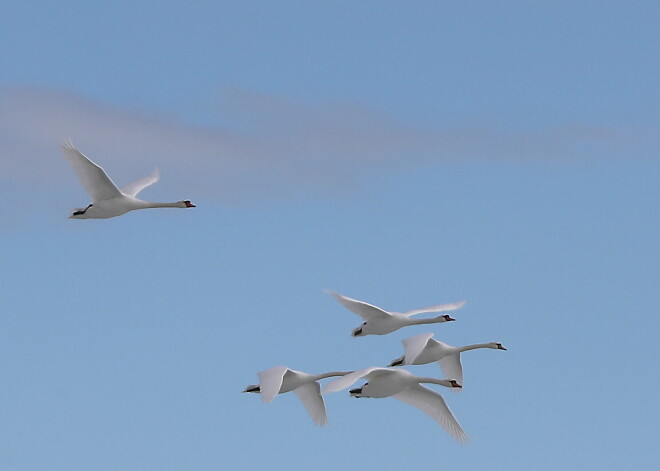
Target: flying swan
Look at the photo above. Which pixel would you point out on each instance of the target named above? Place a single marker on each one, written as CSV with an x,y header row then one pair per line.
x,y
422,349
107,200
404,386
280,379
377,321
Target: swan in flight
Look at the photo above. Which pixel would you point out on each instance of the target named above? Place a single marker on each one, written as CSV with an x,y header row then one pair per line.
x,y
377,321
280,379
107,200
404,386
422,349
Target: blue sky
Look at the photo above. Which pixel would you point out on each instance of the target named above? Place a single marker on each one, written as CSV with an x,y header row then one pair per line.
x,y
404,153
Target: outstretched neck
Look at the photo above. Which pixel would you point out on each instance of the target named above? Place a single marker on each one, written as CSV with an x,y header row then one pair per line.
x,y
473,347
331,374
432,320
441,382
150,204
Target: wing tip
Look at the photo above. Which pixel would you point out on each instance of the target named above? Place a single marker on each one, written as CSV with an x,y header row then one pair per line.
x,y
67,145
321,421
462,438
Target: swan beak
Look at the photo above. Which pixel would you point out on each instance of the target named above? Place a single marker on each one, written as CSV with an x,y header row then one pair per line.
x,y
448,318
455,384
357,332
355,391
189,204
500,347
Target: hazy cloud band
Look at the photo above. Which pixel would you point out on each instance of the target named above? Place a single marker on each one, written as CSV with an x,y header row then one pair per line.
x,y
277,146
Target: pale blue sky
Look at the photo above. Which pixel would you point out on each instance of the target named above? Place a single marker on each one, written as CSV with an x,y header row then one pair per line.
x,y
404,153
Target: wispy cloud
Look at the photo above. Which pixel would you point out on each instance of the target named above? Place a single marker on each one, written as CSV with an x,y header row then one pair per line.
x,y
273,146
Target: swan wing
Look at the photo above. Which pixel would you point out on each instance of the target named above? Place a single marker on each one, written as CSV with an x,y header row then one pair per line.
x,y
433,405
414,346
270,382
436,308
132,189
310,395
452,369
364,310
345,381
93,178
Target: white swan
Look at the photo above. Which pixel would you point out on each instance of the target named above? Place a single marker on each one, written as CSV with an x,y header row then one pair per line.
x,y
404,386
280,379
422,349
377,321
107,200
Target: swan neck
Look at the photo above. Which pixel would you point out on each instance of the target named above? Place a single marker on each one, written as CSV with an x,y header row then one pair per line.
x,y
473,347
150,204
441,382
432,320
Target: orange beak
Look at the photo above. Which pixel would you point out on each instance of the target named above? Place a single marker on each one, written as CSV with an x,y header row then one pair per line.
x,y
190,205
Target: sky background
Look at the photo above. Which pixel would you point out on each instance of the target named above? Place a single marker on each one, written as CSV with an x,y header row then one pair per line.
x,y
403,153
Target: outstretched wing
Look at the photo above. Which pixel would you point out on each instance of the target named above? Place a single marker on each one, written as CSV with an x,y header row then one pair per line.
x,y
414,346
452,369
93,178
310,395
345,381
364,310
132,189
433,405
270,382
436,308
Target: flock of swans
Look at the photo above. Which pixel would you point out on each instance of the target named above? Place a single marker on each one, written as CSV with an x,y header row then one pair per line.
x,y
110,201
383,381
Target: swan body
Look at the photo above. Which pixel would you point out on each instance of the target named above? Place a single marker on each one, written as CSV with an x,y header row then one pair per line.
x,y
404,386
280,380
422,349
107,200
378,321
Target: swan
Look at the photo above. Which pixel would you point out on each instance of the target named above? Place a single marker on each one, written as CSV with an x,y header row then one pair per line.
x,y
422,349
377,321
404,386
107,200
280,379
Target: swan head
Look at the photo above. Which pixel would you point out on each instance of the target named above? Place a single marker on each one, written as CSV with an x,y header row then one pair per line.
x,y
397,362
497,346
447,318
253,388
454,383
186,204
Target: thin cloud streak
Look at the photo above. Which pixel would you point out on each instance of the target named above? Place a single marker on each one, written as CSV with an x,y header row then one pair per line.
x,y
273,147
